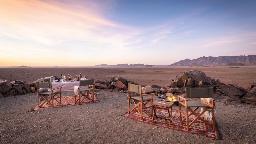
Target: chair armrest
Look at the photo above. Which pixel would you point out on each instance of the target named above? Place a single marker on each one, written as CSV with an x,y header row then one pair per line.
x,y
151,95
210,102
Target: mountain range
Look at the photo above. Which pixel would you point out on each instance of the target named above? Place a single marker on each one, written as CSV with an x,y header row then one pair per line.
x,y
218,61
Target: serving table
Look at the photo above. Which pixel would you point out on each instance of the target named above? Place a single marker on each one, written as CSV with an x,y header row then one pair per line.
x,y
66,85
163,109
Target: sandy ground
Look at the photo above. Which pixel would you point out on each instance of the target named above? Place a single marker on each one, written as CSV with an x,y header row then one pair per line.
x,y
241,76
104,122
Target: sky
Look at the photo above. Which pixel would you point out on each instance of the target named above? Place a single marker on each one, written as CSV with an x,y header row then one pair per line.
x,y
91,32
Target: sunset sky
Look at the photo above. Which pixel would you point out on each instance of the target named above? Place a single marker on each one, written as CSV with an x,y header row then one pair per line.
x,y
90,32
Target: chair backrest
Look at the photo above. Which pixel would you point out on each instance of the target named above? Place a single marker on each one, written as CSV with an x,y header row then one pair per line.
x,y
86,82
133,88
48,79
44,85
199,92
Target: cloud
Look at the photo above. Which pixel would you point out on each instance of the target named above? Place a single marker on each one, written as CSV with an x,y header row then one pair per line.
x,y
34,32
27,26
230,40
50,23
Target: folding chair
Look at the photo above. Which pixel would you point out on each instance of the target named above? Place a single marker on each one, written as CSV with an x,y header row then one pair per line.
x,y
141,102
46,94
86,92
198,103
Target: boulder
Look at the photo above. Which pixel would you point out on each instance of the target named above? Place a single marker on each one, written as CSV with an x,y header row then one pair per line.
x,y
124,81
4,87
100,86
232,91
193,78
250,97
173,83
120,85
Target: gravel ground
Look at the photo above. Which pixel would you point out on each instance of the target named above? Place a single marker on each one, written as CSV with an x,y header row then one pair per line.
x,y
104,122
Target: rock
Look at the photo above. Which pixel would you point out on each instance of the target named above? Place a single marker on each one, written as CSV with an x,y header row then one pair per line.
x,y
124,81
17,82
120,85
2,81
193,78
101,82
12,92
19,88
232,91
156,88
4,87
250,97
100,86
163,90
173,83
27,88
176,90
1,95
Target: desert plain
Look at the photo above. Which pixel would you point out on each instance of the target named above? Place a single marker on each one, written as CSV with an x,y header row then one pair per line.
x,y
104,122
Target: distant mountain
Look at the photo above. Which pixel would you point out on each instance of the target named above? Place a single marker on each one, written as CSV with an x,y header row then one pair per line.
x,y
125,65
23,66
218,61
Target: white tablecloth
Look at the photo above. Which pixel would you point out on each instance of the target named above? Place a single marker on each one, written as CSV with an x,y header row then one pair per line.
x,y
66,86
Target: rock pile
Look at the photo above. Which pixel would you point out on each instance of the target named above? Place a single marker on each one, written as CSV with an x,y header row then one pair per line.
x,y
118,83
192,78
13,88
196,78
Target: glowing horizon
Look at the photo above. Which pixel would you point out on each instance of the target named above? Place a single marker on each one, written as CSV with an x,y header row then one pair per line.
x,y
91,32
